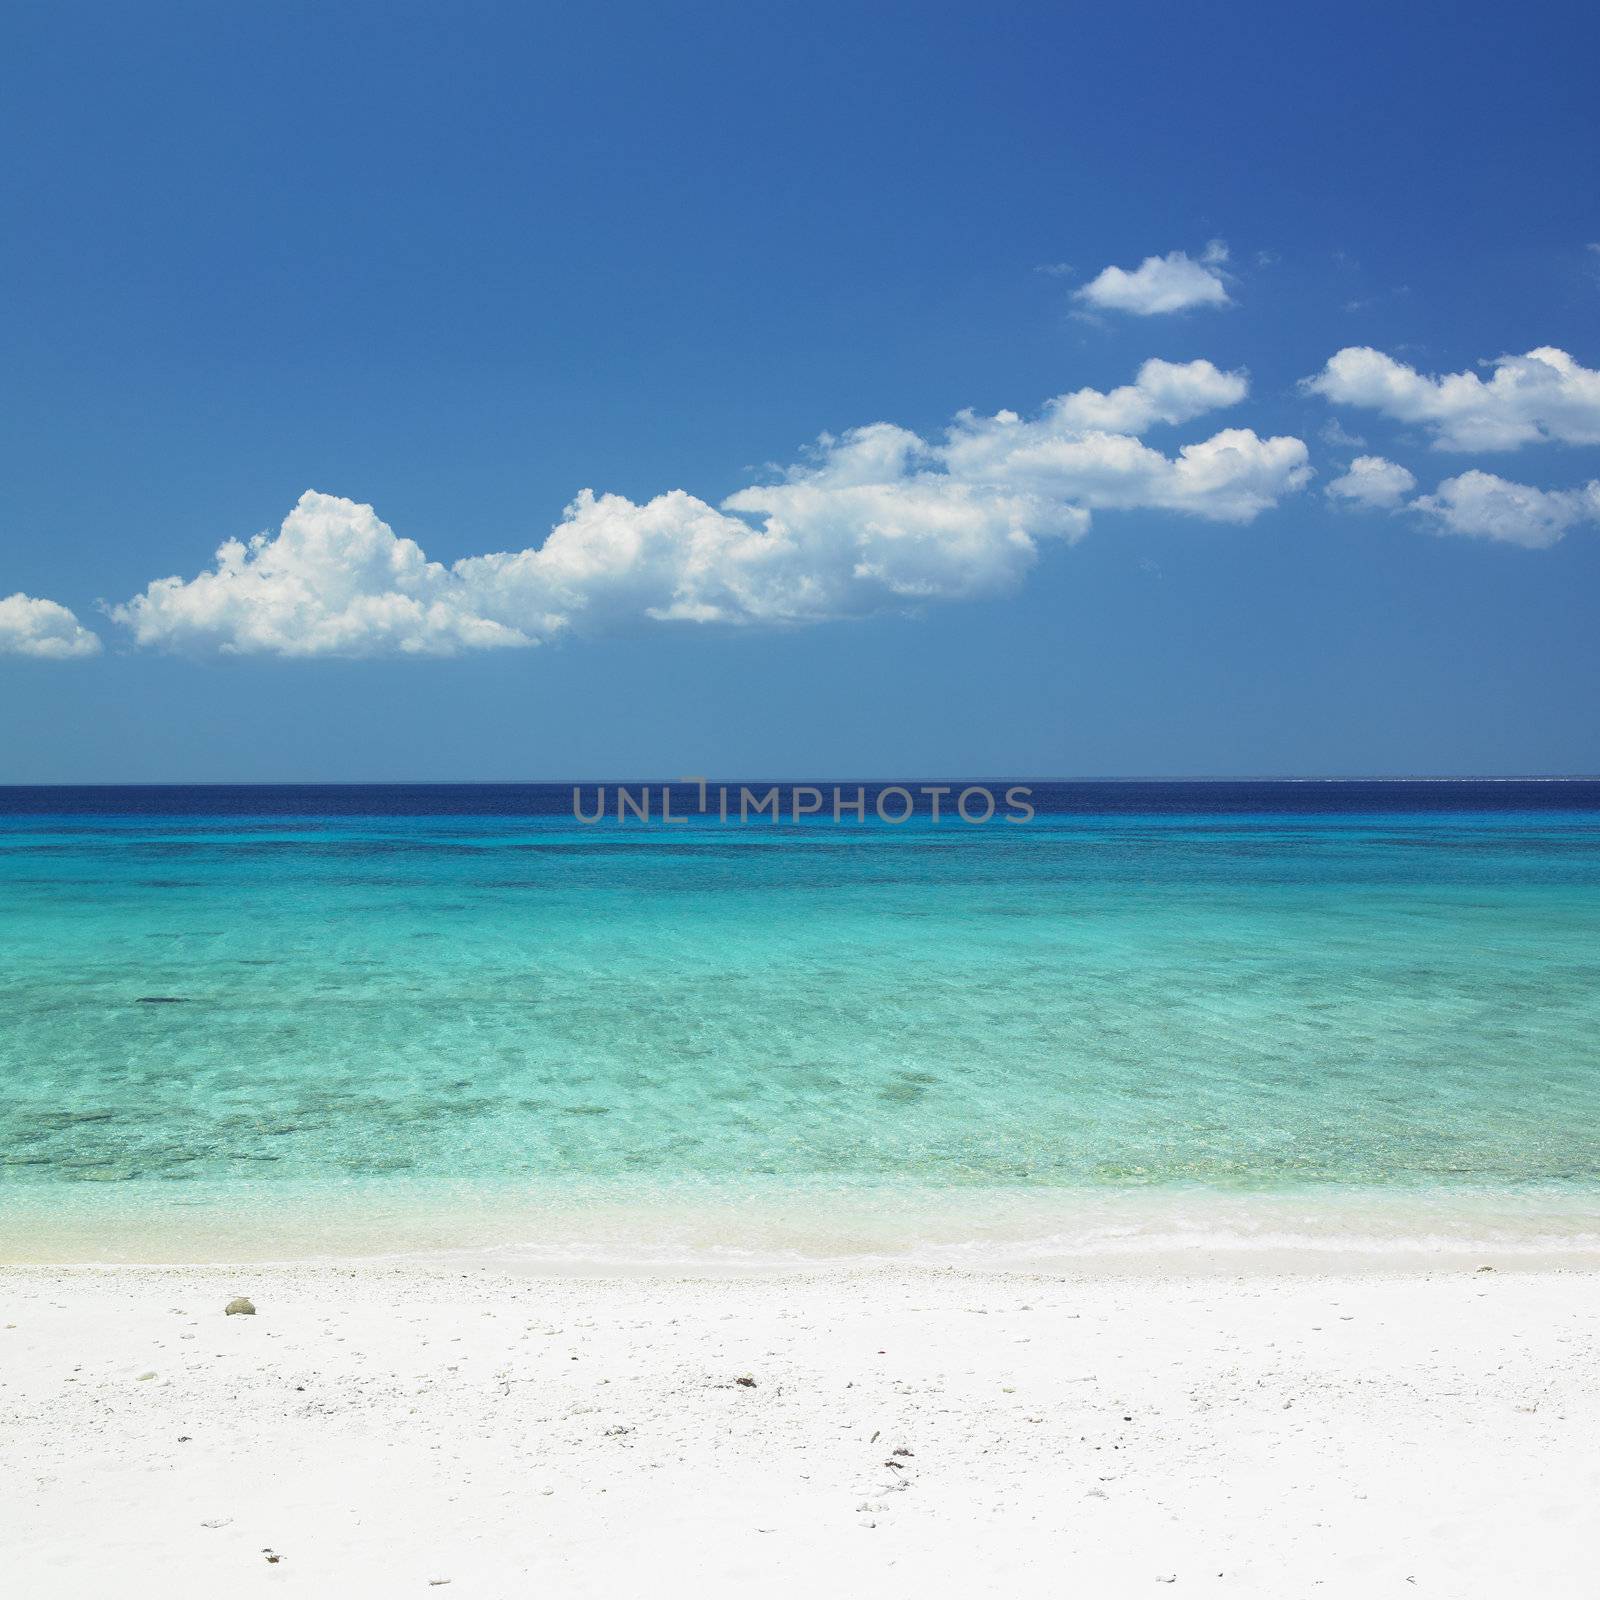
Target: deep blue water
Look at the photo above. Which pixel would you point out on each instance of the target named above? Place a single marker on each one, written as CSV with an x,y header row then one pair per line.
x,y
1255,797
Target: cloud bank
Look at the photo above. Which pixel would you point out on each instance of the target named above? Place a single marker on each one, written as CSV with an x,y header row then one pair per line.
x,y
44,630
1160,285
876,520
1543,395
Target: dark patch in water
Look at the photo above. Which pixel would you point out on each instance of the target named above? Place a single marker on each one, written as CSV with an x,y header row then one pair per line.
x,y
904,1092
162,1000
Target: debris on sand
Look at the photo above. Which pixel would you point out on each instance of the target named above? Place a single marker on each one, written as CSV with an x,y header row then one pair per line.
x,y
240,1307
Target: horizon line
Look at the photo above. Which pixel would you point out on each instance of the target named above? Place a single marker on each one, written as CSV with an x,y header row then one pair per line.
x,y
558,783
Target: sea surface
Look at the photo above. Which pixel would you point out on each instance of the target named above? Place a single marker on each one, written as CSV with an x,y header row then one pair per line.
x,y
280,1021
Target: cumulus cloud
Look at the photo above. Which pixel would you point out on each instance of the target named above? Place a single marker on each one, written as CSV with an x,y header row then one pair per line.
x,y
1542,395
335,580
1475,504
1483,506
1231,477
44,630
1161,284
1163,391
1373,483
877,519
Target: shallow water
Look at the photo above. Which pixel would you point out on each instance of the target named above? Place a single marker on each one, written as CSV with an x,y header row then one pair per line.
x,y
391,998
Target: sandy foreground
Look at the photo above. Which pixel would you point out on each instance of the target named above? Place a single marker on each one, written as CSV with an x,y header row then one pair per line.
x,y
396,1430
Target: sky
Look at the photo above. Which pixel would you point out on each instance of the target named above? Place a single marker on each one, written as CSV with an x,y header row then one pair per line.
x,y
489,392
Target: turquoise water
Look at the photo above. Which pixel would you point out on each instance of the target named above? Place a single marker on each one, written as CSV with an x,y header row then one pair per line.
x,y
503,1008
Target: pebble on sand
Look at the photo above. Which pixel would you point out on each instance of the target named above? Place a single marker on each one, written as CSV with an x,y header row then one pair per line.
x,y
239,1308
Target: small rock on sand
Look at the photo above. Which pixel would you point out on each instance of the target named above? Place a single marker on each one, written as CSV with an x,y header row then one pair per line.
x,y
239,1308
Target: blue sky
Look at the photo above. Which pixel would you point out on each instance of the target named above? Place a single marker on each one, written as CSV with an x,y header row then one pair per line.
x,y
459,264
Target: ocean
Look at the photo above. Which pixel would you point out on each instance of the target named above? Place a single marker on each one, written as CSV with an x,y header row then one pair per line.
x,y
285,1020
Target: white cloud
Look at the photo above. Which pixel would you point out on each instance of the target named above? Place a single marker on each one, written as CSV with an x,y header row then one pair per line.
x,y
1081,448
1374,483
43,629
334,580
1163,391
875,520
1475,504
1482,506
1542,395
1231,477
337,581
1161,284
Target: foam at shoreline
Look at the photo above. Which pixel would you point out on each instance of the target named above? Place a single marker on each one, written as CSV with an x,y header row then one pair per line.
x,y
765,1229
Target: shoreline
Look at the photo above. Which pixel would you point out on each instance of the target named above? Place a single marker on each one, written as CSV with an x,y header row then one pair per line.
x,y
688,1232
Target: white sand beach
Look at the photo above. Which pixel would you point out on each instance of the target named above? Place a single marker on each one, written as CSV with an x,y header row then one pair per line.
x,y
388,1429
